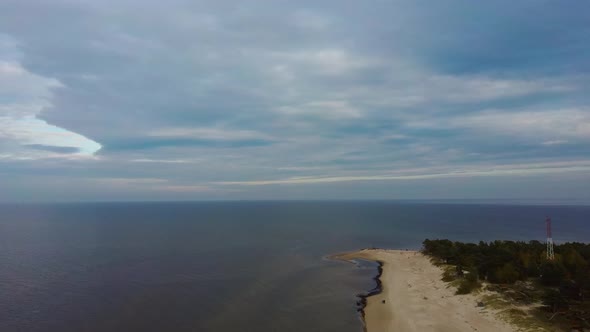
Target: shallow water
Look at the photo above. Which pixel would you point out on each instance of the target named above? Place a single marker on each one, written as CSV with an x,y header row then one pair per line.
x,y
225,266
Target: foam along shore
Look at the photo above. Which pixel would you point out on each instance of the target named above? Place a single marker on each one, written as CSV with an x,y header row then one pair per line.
x,y
414,298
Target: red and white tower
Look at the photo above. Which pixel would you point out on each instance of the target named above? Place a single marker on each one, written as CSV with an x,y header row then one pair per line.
x,y
550,254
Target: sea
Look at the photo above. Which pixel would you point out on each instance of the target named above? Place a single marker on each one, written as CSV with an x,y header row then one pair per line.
x,y
226,266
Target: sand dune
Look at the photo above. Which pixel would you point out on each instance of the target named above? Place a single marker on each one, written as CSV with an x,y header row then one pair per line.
x,y
414,298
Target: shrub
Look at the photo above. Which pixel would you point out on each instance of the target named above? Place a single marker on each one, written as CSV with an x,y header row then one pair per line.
x,y
552,273
467,286
448,275
507,274
554,300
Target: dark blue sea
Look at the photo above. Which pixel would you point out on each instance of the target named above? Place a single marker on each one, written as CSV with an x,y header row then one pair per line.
x,y
224,266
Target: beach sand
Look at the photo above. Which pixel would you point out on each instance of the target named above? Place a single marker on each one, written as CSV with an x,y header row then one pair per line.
x,y
416,299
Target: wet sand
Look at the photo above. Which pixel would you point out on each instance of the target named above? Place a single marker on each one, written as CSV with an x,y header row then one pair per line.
x,y
414,298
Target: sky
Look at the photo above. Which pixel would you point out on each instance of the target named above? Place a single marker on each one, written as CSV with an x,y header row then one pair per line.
x,y
210,100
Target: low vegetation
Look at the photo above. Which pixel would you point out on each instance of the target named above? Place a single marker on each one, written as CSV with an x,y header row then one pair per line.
x,y
558,290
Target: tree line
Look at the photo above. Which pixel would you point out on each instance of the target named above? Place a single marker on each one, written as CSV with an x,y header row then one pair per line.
x,y
506,262
509,261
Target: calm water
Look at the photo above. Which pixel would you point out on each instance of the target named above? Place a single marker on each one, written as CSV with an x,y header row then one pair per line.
x,y
223,266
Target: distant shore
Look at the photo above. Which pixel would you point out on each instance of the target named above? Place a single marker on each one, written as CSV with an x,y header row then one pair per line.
x,y
410,296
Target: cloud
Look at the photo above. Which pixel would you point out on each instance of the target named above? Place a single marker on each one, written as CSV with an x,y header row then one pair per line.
x,y
48,140
481,88
142,143
305,92
557,124
163,161
330,109
154,184
324,61
510,170
128,181
57,149
218,134
555,142
23,96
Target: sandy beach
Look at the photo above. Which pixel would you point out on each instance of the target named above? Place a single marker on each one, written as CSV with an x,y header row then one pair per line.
x,y
414,298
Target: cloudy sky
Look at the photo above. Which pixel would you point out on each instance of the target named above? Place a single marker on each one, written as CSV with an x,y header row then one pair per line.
x,y
176,100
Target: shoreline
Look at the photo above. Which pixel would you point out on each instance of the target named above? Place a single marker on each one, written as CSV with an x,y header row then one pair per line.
x,y
410,296
362,302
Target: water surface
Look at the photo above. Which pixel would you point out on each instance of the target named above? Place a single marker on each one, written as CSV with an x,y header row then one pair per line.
x,y
224,266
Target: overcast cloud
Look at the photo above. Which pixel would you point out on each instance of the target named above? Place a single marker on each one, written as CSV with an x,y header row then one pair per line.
x,y
133,100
